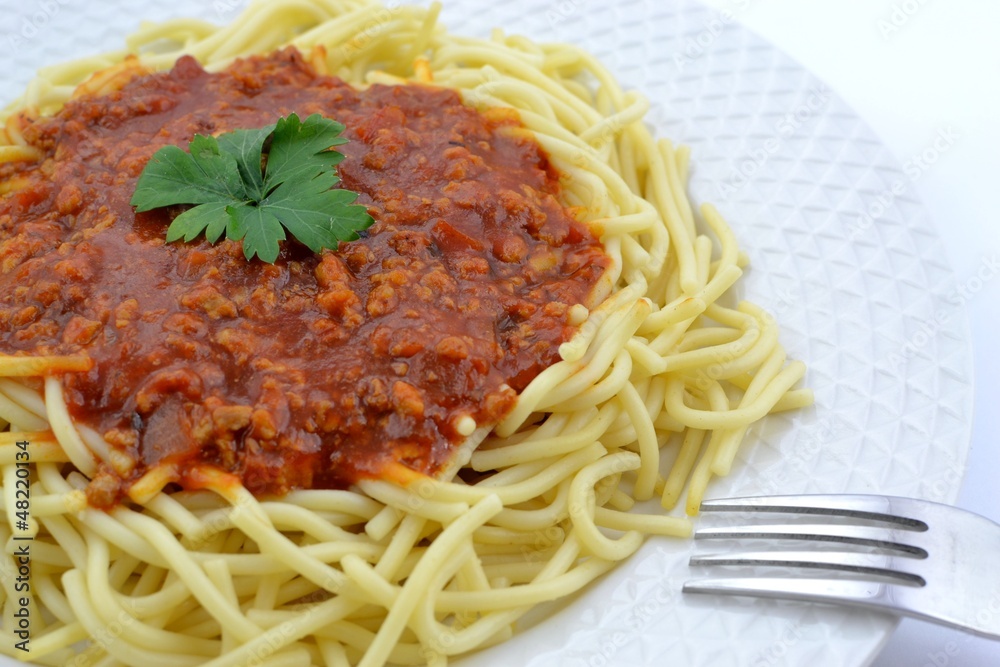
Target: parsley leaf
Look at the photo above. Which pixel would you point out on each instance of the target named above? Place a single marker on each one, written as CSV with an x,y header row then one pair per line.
x,y
240,190
247,146
298,150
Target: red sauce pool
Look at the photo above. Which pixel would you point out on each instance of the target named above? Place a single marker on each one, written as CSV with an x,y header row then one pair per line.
x,y
317,370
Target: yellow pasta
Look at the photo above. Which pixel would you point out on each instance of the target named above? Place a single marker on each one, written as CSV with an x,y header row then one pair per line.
x,y
415,570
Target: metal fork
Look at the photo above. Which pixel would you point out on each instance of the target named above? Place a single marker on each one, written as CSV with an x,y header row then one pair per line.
x,y
909,557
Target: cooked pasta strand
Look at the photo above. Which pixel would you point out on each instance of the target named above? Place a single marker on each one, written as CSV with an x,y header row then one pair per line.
x,y
407,569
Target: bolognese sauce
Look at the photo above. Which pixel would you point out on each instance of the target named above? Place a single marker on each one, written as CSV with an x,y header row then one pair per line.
x,y
315,371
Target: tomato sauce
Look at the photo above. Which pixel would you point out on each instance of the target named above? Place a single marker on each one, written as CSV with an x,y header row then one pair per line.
x,y
317,370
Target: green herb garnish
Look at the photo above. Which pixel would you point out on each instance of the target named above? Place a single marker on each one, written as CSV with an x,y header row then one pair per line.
x,y
255,195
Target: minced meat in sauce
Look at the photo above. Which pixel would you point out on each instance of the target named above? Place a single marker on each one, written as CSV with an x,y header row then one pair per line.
x,y
315,371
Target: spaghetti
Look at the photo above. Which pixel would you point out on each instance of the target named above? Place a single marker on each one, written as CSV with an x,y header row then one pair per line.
x,y
409,569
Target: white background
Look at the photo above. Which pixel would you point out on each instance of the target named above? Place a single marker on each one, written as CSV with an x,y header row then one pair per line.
x,y
911,68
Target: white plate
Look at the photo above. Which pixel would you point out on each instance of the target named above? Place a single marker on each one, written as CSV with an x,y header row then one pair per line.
x,y
842,253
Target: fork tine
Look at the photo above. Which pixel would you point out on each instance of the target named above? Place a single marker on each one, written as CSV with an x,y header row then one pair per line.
x,y
860,535
958,584
865,593
871,564
876,508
